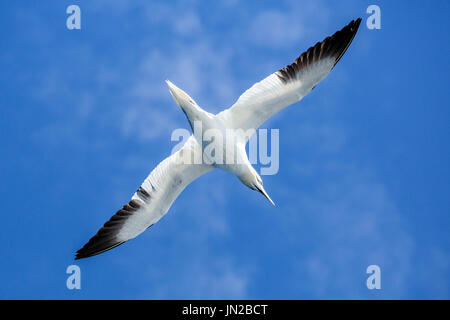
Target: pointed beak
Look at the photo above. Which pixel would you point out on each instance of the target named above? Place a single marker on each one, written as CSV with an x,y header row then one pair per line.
x,y
264,193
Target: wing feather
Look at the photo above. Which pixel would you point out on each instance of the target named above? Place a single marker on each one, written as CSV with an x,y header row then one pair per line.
x,y
290,84
150,202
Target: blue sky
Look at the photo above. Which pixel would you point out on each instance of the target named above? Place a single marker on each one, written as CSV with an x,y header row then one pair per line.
x,y
364,159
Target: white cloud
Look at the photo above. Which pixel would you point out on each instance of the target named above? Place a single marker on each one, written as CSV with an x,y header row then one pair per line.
x,y
285,28
360,225
275,29
199,279
187,23
352,220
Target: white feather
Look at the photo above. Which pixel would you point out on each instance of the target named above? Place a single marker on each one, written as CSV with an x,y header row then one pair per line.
x,y
164,184
267,97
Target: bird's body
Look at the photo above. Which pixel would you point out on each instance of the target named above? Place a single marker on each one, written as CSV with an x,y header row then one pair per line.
x,y
226,134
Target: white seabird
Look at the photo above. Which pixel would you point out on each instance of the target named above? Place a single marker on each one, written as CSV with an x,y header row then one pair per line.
x,y
160,189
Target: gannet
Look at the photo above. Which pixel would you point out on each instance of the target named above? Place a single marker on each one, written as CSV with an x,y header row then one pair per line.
x,y
160,189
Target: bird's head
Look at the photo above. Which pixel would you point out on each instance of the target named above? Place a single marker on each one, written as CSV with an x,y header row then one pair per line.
x,y
252,180
181,98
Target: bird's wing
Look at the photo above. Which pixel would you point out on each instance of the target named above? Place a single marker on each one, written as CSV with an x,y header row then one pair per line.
x,y
289,84
151,201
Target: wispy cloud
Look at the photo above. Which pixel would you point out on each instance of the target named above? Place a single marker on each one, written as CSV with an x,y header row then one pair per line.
x,y
274,29
355,224
217,279
277,28
352,220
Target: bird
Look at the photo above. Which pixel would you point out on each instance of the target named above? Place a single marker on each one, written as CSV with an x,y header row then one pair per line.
x,y
160,189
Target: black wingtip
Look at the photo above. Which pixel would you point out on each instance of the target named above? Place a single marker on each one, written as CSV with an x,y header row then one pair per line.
x,y
89,250
106,238
349,32
333,46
